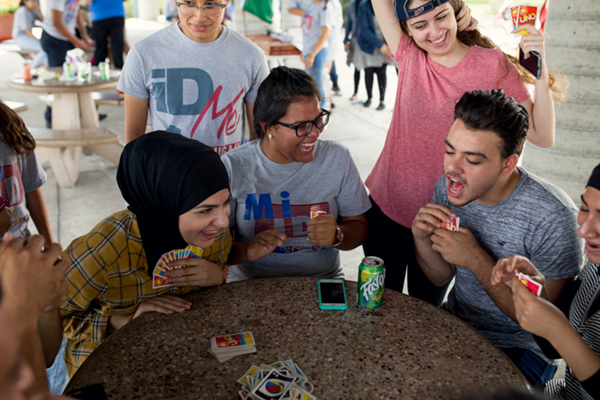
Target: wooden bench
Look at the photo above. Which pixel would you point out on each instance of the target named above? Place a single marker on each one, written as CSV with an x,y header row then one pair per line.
x,y
100,98
63,148
15,106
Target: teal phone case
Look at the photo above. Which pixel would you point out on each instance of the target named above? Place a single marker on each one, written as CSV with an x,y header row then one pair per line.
x,y
332,307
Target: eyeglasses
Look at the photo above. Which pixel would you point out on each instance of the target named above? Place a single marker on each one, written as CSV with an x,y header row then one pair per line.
x,y
305,128
211,10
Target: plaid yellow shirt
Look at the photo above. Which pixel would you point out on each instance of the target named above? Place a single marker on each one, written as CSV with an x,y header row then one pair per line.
x,y
109,276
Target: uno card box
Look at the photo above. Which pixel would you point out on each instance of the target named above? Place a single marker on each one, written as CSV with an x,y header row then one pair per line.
x,y
522,15
236,343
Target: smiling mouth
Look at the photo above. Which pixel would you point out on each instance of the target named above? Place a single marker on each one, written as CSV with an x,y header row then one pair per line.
x,y
440,40
209,234
592,247
307,147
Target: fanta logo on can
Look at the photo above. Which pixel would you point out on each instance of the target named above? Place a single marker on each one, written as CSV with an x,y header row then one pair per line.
x,y
371,286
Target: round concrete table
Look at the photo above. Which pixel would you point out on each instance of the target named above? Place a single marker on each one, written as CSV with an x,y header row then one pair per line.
x,y
74,123
405,349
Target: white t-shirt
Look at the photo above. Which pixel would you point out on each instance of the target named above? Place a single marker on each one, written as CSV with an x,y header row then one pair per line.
x,y
268,195
196,89
70,10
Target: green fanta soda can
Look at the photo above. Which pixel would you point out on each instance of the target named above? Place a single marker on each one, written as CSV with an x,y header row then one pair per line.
x,y
371,278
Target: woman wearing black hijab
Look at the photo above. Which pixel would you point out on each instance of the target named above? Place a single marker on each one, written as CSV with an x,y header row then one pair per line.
x,y
572,327
178,195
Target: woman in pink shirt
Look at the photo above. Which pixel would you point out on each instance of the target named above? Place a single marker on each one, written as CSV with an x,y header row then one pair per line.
x,y
440,56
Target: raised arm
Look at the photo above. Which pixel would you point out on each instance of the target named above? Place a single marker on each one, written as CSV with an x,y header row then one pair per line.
x,y
389,24
541,112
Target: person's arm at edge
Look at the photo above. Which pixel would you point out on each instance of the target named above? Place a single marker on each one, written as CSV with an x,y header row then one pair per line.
x,y
82,29
250,113
354,230
389,24
431,262
136,117
481,265
39,213
51,334
30,346
56,17
296,11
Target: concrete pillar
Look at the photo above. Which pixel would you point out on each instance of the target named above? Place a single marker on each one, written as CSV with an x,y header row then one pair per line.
x,y
572,47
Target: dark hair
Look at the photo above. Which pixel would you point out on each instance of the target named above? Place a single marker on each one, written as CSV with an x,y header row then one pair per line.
x,y
496,112
15,132
281,88
475,38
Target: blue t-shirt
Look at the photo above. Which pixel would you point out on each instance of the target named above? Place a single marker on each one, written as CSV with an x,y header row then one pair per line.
x,y
104,9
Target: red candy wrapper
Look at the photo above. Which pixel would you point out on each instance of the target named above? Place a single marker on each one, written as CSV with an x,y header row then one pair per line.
x,y
315,214
532,285
452,226
522,15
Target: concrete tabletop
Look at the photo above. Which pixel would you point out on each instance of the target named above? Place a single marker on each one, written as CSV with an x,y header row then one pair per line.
x,y
405,349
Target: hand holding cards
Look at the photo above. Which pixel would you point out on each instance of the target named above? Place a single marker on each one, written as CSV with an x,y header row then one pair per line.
x,y
529,283
226,347
162,265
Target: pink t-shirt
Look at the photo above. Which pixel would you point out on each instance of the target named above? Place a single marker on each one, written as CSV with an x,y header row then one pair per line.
x,y
412,159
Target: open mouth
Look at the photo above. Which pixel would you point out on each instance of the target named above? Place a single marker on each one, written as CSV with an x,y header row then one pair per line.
x,y
592,247
306,148
455,188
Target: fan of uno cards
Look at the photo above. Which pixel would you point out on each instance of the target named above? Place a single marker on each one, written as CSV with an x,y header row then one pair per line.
x,y
162,265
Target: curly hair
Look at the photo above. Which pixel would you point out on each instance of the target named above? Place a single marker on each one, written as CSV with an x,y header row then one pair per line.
x,y
558,83
15,132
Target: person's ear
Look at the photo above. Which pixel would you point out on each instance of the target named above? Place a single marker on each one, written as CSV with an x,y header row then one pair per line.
x,y
509,164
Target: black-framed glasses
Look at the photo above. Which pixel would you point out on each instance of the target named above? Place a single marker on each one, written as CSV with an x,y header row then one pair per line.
x,y
211,10
305,128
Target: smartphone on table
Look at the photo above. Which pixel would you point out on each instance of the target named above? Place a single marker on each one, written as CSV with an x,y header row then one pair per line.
x,y
533,64
332,294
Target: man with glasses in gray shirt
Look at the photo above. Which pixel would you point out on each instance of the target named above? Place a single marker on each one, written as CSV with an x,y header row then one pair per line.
x,y
197,78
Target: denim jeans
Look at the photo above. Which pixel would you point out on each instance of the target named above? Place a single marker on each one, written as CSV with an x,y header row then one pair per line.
x,y
536,370
57,373
318,71
28,43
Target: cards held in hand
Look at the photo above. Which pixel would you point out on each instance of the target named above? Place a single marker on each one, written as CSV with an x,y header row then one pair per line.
x,y
281,380
226,347
162,265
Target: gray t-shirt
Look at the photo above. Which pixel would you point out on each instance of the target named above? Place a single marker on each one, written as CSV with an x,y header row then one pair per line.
x,y
196,89
19,175
538,221
23,21
317,16
268,195
70,10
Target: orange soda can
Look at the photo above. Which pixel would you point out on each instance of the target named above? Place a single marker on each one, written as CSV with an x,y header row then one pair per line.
x,y
26,71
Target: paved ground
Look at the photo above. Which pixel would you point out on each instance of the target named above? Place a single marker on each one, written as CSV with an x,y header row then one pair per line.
x,y
75,211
